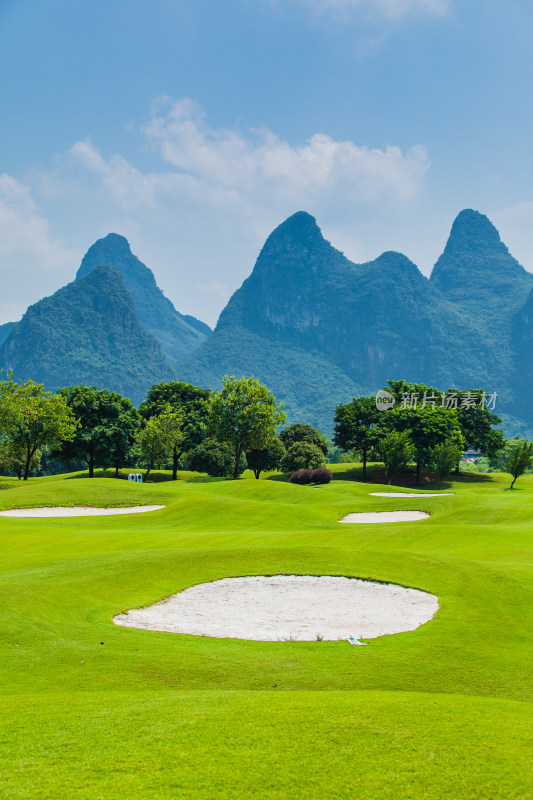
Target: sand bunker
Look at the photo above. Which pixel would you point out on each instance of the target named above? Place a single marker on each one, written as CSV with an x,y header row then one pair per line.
x,y
385,516
407,494
288,607
76,511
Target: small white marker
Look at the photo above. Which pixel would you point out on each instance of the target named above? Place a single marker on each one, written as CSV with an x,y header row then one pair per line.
x,y
351,640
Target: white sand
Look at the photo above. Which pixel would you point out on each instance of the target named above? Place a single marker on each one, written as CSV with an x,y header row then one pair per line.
x,y
385,516
299,607
76,511
408,494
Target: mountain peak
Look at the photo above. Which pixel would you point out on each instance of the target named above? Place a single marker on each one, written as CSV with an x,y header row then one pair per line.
x,y
476,268
473,231
115,250
177,333
87,332
299,229
296,248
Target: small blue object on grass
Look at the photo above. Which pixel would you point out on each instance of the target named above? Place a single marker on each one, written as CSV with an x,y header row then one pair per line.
x,y
351,640
136,477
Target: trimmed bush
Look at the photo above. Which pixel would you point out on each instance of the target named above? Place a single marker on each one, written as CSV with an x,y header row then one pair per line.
x,y
321,475
301,476
305,476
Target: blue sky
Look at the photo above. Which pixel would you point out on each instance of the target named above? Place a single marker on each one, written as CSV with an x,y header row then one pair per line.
x,y
194,128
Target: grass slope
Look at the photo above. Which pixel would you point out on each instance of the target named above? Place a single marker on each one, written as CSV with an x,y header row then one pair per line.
x,y
95,711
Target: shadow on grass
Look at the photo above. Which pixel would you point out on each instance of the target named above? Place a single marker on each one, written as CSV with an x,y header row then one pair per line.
x,y
278,477
376,474
156,476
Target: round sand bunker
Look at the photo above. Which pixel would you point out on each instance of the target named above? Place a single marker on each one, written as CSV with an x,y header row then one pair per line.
x,y
76,511
385,516
288,607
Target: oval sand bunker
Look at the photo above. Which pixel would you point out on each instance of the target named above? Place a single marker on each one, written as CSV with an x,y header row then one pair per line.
x,y
287,607
385,516
407,494
76,511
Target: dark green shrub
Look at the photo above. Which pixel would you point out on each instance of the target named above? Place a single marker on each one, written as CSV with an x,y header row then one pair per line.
x,y
215,458
302,455
304,433
269,458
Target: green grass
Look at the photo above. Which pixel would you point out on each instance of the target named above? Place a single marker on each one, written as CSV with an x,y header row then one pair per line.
x,y
98,712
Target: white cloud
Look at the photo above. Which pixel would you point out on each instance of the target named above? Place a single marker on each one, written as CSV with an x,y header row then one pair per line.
x,y
227,165
231,168
32,260
199,217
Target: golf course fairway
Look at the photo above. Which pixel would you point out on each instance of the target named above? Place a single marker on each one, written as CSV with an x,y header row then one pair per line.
x,y
94,711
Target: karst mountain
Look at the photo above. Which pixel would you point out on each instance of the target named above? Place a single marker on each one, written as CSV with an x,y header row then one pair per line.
x,y
311,324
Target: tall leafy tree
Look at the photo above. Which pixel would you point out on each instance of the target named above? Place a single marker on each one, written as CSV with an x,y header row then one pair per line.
x,y
304,433
427,427
444,458
356,426
477,424
108,424
13,459
191,402
8,407
303,455
519,459
38,419
475,419
245,414
157,440
397,451
266,459
215,458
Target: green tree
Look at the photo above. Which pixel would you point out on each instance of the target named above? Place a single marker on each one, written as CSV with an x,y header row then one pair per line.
x,y
477,424
156,442
497,463
245,414
397,451
427,426
7,407
304,433
444,458
475,421
108,425
13,459
266,459
520,458
191,402
38,419
302,455
215,458
356,427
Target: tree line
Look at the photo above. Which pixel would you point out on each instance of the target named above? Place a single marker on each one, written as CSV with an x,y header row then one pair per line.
x,y
222,433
